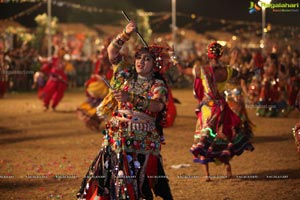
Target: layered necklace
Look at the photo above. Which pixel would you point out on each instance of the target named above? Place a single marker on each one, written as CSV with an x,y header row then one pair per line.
x,y
141,84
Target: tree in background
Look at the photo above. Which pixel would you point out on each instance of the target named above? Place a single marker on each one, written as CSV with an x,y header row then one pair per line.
x,y
42,30
143,24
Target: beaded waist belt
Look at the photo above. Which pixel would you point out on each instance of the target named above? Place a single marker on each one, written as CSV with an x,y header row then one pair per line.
x,y
134,116
131,126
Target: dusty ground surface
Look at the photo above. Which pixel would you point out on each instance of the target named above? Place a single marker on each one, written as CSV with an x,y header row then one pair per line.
x,y
44,155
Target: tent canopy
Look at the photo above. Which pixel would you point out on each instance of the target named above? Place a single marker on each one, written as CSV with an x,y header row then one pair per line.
x,y
76,28
4,25
108,30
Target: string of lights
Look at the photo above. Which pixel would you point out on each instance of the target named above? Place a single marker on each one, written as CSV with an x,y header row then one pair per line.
x,y
23,13
158,17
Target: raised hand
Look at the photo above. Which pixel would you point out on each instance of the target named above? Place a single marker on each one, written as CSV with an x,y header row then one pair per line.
x,y
130,27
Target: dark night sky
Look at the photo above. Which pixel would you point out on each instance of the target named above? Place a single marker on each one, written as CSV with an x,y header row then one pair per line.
x,y
225,9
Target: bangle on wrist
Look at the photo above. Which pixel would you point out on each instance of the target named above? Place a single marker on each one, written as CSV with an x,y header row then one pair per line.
x,y
118,43
125,33
124,36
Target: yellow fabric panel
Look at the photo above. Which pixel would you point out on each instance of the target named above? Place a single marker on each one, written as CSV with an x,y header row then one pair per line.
x,y
87,108
107,106
109,103
229,73
97,89
206,113
205,86
221,86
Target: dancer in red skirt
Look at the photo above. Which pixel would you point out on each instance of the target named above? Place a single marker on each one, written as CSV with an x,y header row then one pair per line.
x,y
219,132
56,84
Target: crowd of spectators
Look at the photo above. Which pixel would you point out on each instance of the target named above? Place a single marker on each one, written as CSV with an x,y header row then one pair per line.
x,y
278,64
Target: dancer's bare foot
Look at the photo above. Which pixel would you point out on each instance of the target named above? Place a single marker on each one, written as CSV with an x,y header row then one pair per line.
x,y
229,174
205,169
45,108
228,171
207,179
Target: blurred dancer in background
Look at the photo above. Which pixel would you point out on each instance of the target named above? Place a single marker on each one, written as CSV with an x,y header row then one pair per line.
x,y
3,75
56,85
96,90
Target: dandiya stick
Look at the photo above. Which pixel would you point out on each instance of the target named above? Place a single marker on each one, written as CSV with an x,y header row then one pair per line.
x,y
137,32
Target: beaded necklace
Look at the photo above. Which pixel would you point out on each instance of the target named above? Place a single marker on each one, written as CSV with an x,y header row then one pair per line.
x,y
142,84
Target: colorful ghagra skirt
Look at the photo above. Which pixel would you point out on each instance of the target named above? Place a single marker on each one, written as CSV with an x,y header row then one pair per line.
x,y
209,145
128,166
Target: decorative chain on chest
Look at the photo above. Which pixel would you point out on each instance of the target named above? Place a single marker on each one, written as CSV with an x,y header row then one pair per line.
x,y
141,86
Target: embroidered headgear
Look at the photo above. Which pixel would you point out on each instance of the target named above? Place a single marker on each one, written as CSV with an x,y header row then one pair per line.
x,y
160,55
214,51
